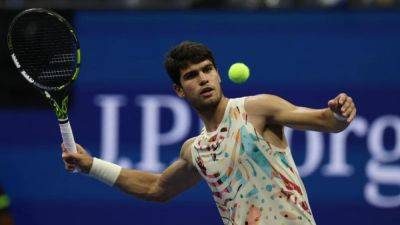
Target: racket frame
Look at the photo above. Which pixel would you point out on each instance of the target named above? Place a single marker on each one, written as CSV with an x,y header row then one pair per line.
x,y
57,96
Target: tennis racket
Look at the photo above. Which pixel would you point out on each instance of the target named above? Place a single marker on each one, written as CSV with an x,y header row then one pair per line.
x,y
45,50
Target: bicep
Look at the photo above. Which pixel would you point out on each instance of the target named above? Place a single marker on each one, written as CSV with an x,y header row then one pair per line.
x,y
178,177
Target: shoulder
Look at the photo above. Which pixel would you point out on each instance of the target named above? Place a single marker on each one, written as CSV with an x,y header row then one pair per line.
x,y
260,98
185,153
258,104
267,106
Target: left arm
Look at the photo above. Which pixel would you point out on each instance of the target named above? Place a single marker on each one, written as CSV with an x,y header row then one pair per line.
x,y
279,111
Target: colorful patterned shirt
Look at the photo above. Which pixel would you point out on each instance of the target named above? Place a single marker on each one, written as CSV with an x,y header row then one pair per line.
x,y
252,181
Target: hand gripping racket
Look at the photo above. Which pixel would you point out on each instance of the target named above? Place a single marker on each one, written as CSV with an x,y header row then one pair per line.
x,y
45,50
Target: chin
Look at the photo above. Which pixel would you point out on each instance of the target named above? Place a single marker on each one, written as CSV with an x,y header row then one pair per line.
x,y
211,102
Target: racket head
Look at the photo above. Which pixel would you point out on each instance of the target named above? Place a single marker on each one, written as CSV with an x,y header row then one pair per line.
x,y
44,48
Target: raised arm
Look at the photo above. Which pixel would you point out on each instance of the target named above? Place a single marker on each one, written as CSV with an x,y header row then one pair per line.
x,y
276,110
177,178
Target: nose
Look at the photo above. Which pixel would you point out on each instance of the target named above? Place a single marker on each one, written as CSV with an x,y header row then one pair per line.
x,y
203,78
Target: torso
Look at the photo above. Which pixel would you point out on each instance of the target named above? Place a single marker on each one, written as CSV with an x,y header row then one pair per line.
x,y
273,133
249,168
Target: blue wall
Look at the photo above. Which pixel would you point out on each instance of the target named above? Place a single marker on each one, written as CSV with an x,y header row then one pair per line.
x,y
306,58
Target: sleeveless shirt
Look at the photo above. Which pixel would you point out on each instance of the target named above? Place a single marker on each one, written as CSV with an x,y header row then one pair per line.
x,y
252,181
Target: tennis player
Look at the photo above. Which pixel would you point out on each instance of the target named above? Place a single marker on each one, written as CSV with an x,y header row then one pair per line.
x,y
242,152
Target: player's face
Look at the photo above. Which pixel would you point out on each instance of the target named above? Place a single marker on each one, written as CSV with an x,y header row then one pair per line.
x,y
200,85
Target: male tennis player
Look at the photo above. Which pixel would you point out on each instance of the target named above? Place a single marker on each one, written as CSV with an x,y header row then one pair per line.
x,y
242,152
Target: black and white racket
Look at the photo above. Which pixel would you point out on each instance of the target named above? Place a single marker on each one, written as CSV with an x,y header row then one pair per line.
x,y
45,50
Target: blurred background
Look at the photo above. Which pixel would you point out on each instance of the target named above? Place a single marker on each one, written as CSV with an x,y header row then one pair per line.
x,y
306,51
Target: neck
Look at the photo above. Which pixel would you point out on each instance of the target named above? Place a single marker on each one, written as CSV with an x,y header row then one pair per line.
x,y
212,117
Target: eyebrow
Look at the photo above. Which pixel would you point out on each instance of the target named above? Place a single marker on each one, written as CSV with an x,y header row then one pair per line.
x,y
193,72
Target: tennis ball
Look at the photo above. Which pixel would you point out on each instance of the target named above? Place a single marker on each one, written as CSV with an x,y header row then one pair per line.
x,y
239,73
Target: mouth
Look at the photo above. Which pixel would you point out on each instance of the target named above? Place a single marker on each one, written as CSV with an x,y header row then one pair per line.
x,y
206,92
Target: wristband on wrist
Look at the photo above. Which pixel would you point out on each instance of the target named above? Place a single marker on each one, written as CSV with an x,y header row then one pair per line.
x,y
339,117
105,171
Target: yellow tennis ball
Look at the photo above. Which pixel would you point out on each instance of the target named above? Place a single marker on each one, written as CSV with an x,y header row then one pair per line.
x,y
239,73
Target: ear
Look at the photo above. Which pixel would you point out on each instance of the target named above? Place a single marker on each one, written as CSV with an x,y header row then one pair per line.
x,y
178,90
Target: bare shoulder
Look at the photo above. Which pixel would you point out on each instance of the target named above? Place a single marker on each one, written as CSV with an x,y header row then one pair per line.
x,y
185,153
260,104
261,99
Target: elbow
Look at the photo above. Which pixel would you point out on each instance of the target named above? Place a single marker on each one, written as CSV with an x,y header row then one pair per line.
x,y
154,198
159,196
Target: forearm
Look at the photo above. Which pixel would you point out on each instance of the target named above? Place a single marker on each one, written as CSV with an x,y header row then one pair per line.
x,y
144,185
140,184
175,179
279,111
321,120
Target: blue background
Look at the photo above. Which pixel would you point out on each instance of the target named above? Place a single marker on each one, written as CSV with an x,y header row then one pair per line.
x,y
304,57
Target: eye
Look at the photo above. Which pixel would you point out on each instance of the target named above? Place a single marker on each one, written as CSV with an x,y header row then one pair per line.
x,y
190,75
207,68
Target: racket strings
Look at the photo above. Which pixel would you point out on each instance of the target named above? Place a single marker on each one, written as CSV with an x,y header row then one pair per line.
x,y
61,58
46,75
46,49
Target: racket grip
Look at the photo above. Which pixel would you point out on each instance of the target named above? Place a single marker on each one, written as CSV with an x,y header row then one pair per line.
x,y
67,135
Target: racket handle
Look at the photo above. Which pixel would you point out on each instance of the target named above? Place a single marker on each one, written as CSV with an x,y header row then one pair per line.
x,y
67,135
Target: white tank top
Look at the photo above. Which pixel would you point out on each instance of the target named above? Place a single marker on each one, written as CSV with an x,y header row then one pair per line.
x,y
252,181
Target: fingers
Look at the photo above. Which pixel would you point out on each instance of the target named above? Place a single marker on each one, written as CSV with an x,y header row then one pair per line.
x,y
332,104
64,149
80,160
344,103
80,149
344,106
71,162
352,115
348,109
342,98
69,157
70,167
67,153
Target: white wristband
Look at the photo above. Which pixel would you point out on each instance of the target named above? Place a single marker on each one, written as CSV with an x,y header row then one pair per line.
x,y
339,117
105,171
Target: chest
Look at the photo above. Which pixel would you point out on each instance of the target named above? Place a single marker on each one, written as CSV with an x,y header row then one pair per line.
x,y
274,134
240,150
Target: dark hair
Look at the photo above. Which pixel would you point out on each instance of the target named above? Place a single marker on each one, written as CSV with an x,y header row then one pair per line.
x,y
183,55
